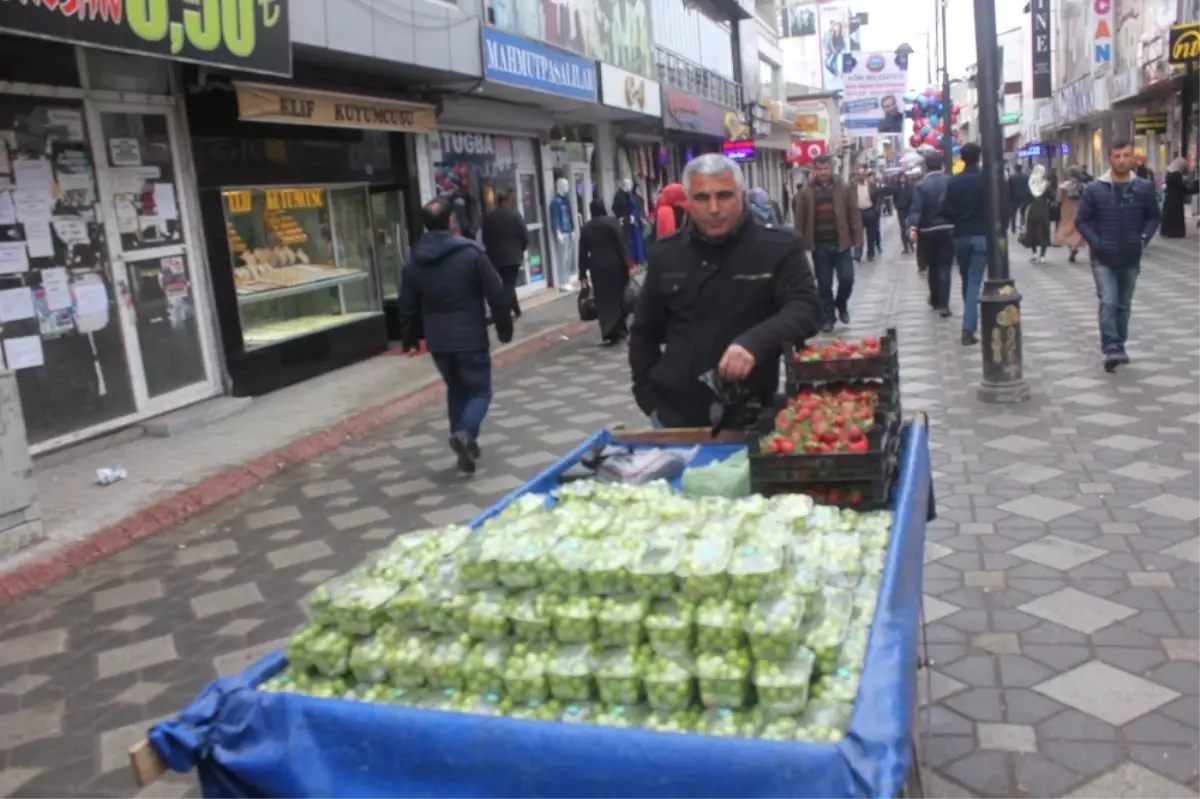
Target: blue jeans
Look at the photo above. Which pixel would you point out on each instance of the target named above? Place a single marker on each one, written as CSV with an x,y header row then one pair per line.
x,y
972,263
1114,287
468,377
828,262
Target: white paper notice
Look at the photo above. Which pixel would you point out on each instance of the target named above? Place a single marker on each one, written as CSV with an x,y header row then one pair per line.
x,y
78,182
39,240
90,298
16,304
35,175
8,211
32,206
125,152
71,230
23,352
164,201
72,121
13,260
131,180
127,218
57,287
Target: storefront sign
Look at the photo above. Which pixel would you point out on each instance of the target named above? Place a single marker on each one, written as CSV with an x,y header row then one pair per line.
x,y
739,149
1185,44
259,102
1150,123
521,62
805,151
1039,12
291,199
1011,118
249,35
687,112
622,89
1100,24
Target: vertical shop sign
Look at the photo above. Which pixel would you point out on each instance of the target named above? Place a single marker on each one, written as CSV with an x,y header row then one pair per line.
x,y
1101,27
1039,12
1185,44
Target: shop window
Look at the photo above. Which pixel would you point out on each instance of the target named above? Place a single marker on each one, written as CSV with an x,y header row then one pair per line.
x,y
25,60
118,72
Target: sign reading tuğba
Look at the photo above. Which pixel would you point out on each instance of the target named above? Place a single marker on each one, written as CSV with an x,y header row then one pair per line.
x,y
250,35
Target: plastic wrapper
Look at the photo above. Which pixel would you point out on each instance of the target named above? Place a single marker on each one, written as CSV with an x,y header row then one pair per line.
x,y
407,558
575,619
369,656
668,683
379,694
326,688
578,712
405,661
619,715
486,704
619,620
825,519
841,559
726,722
774,626
755,568
529,542
727,478
652,574
487,616
724,679
484,667
451,699
672,720
525,674
796,508
562,571
354,603
609,560
410,608
775,728
449,605
702,572
825,633
537,709
569,673
782,687
719,625
325,650
670,627
444,664
618,674
824,722
532,616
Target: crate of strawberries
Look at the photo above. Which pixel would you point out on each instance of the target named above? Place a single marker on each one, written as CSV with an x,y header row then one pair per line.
x,y
869,358
838,432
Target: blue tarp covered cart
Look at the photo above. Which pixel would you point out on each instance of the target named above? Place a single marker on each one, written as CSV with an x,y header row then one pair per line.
x,y
249,743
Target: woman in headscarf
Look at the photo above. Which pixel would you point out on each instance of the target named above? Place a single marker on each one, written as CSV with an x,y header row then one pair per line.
x,y
1066,234
604,261
765,211
1037,216
1175,193
670,211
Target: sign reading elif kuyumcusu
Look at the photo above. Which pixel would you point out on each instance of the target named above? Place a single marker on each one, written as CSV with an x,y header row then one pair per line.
x,y
249,35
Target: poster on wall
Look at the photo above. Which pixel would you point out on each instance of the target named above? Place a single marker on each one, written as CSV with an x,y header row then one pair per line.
x,y
873,87
835,43
614,31
797,19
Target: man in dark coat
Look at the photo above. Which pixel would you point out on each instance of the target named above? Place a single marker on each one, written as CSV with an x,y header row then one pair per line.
x,y
1018,197
604,264
1117,216
902,198
506,239
723,293
933,232
446,285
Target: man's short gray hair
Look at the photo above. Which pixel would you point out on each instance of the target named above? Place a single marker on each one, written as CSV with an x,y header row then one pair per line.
x,y
712,164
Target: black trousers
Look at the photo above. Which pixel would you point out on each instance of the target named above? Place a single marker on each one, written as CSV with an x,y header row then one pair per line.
x,y
508,276
937,247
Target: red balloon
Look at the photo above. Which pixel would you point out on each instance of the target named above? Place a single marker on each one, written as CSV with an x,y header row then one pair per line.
x,y
941,127
915,141
955,109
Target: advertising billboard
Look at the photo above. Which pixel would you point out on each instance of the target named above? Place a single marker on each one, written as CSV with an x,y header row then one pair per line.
x,y
873,89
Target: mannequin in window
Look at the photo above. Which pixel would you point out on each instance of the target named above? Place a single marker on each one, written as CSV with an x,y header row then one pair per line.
x,y
627,207
562,222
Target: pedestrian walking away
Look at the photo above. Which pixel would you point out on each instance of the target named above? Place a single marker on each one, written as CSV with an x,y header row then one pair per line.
x,y
724,293
1065,232
1036,233
505,239
1118,215
868,198
445,288
1176,191
830,225
903,199
1018,197
766,211
933,232
963,207
604,265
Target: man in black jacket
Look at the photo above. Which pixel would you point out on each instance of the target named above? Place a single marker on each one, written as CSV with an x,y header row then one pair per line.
x,y
1018,197
964,207
902,197
721,293
932,232
506,239
445,286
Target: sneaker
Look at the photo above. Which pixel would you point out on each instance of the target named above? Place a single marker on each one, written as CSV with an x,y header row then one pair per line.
x,y
969,339
844,316
1120,357
462,448
945,313
827,327
1112,360
473,449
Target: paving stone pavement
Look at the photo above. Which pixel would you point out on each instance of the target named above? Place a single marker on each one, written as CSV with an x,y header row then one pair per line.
x,y
1061,577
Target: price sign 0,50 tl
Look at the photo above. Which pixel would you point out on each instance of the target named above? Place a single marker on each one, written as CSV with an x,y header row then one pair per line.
x,y
251,35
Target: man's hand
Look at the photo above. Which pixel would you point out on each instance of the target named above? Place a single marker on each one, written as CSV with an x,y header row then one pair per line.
x,y
736,363
912,235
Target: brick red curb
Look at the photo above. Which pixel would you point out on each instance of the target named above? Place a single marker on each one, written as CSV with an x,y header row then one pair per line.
x,y
228,484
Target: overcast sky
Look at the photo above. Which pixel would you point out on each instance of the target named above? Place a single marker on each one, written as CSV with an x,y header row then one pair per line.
x,y
893,22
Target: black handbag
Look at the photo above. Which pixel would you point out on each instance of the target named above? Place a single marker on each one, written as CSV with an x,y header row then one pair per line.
x,y
587,305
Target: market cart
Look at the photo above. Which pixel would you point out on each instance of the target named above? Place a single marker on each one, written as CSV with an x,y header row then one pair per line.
x,y
245,742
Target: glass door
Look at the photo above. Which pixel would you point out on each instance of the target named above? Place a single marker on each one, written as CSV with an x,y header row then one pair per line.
x,y
160,303
389,223
533,274
581,186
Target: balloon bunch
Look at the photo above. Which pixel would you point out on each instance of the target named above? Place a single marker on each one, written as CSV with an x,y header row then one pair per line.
x,y
930,113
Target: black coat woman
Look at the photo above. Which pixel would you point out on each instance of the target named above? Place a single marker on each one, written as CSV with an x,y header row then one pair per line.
x,y
1175,195
604,264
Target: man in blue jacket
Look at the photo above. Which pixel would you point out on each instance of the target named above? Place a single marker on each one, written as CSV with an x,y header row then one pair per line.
x,y
1118,215
445,286
964,207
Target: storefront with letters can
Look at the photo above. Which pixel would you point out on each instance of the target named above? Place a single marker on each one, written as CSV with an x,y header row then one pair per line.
x,y
309,201
105,306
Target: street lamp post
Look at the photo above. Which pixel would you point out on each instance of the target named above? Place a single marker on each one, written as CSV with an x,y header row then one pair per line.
x,y
947,102
999,302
